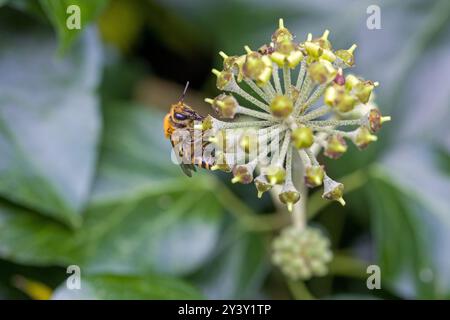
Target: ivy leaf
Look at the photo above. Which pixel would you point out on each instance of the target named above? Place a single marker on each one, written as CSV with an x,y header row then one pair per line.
x,y
49,122
238,269
145,215
127,287
57,12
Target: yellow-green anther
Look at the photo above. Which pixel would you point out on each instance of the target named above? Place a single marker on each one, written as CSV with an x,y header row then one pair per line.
x,y
337,96
322,71
364,89
351,81
313,49
257,67
281,106
302,137
333,190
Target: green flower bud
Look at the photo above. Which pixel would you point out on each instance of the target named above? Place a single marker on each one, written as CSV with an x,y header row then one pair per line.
x,y
323,41
362,137
364,89
301,254
243,173
224,105
333,190
287,53
289,195
228,61
257,67
281,34
314,176
225,79
351,81
335,146
262,185
337,96
313,50
302,137
347,55
275,174
281,106
322,71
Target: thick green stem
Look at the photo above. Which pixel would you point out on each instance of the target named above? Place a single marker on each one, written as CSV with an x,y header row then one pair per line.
x,y
299,290
348,266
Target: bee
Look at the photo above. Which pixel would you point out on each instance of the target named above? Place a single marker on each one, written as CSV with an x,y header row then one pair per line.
x,y
179,129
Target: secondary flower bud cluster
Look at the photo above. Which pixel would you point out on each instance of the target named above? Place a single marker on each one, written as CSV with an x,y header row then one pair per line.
x,y
302,254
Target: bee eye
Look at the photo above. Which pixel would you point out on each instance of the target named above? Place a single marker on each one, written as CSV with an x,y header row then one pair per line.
x,y
180,116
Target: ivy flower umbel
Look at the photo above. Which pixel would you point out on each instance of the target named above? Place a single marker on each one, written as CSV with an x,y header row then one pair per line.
x,y
301,98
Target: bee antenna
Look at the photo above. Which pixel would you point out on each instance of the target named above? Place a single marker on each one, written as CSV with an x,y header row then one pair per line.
x,y
184,91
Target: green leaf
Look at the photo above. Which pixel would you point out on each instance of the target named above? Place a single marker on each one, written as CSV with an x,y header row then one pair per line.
x,y
416,217
56,11
126,287
239,268
49,122
145,214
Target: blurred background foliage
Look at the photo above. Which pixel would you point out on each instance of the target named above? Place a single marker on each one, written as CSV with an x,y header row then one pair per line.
x,y
85,175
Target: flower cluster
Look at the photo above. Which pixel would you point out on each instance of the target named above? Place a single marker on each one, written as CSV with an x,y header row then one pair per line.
x,y
301,254
286,80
